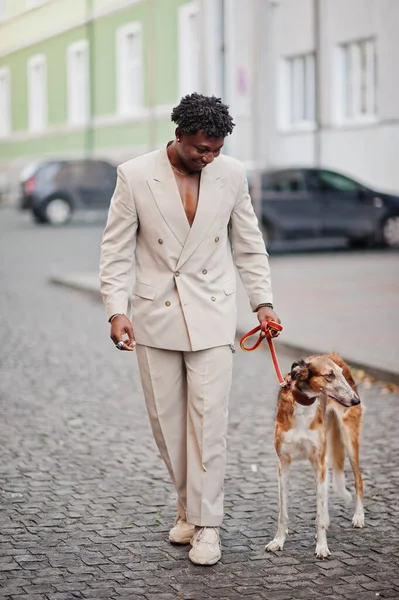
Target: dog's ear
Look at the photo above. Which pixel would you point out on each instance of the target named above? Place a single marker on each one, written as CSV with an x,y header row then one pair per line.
x,y
300,370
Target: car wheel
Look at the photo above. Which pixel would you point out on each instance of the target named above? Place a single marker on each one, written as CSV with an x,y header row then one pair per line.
x,y
58,211
390,232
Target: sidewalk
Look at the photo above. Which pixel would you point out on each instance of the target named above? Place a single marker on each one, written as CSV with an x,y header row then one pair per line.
x,y
344,302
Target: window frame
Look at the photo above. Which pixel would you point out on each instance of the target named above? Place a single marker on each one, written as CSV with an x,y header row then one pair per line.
x,y
297,86
74,117
34,125
189,78
357,82
5,116
123,107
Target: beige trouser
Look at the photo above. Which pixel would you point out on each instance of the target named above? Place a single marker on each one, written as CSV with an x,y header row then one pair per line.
x,y
187,401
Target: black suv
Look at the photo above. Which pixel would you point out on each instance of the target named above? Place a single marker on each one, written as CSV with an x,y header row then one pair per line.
x,y
309,203
55,189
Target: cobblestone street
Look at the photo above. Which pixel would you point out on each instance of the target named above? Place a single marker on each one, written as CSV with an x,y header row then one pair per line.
x,y
85,500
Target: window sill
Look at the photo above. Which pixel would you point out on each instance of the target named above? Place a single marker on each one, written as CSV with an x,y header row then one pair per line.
x,y
302,127
357,122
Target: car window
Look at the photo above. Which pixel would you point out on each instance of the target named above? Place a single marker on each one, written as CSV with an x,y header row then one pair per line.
x,y
48,172
287,181
328,181
72,174
87,174
105,172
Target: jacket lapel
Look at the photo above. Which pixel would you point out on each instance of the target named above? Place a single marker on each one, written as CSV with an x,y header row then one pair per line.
x,y
210,198
166,195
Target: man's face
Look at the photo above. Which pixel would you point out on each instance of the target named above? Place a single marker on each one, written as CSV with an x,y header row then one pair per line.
x,y
198,150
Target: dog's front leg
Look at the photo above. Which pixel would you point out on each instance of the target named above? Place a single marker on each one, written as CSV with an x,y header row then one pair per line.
x,y
320,467
278,542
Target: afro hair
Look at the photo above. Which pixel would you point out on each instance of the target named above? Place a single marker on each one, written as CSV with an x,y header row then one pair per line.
x,y
203,113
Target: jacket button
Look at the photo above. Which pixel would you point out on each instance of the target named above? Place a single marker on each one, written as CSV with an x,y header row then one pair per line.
x,y
204,271
160,241
177,273
167,303
217,238
213,299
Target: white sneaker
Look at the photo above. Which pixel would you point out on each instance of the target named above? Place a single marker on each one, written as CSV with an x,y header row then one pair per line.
x,y
206,548
182,532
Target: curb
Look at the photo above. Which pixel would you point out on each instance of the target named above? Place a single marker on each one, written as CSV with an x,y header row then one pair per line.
x,y
294,350
384,376
78,286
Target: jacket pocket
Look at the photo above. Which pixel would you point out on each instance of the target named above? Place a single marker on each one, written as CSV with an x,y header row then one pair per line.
x,y
144,290
229,287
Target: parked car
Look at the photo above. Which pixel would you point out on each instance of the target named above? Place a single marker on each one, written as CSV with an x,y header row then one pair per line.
x,y
53,190
308,203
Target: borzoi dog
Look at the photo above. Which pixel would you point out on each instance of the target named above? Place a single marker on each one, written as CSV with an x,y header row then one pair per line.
x,y
318,415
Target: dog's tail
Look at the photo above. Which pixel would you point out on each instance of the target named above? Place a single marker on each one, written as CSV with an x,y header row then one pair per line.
x,y
336,456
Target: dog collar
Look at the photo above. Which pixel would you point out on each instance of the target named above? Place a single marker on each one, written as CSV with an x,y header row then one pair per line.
x,y
303,398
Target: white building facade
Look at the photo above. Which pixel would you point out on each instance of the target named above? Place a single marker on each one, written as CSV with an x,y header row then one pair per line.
x,y
314,83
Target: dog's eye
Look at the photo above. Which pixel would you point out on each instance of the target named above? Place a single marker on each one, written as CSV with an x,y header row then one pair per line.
x,y
330,376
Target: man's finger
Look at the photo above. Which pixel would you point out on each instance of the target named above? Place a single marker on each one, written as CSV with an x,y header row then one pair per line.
x,y
127,347
129,330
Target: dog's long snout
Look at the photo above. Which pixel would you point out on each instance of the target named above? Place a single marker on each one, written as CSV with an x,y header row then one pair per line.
x,y
355,401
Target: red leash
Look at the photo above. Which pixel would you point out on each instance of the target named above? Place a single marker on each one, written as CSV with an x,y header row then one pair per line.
x,y
271,329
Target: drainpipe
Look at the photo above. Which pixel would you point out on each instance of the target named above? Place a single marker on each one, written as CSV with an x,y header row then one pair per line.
x,y
89,133
222,35
256,187
317,45
152,122
202,53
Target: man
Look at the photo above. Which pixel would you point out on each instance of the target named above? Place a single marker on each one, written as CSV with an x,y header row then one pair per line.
x,y
181,217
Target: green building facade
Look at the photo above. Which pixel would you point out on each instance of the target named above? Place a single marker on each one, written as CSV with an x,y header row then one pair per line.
x,y
91,77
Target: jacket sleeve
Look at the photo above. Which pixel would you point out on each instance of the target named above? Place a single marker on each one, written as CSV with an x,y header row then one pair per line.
x,y
249,251
118,249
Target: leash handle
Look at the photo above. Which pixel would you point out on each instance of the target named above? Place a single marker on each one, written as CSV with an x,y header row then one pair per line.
x,y
270,329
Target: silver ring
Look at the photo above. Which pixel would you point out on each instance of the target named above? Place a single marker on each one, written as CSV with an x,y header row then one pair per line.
x,y
120,345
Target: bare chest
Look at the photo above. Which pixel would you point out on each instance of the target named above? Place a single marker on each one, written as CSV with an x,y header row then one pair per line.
x,y
300,441
189,193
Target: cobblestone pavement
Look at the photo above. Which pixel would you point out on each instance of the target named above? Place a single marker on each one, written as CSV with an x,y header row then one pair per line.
x,y
86,503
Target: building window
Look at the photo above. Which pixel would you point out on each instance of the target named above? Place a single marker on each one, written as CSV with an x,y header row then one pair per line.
x,y
189,48
78,83
129,54
358,79
5,113
298,90
37,93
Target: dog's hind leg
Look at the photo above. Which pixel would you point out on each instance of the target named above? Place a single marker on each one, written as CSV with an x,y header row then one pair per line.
x,y
319,464
352,424
336,456
278,542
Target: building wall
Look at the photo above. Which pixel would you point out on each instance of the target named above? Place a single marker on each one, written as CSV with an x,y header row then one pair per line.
x,y
364,149
244,48
51,28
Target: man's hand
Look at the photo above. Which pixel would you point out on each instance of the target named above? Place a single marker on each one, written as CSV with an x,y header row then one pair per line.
x,y
265,313
119,327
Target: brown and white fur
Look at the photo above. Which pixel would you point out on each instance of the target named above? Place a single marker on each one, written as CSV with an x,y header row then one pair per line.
x,y
318,413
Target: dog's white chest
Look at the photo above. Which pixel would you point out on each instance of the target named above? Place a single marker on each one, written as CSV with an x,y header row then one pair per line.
x,y
299,441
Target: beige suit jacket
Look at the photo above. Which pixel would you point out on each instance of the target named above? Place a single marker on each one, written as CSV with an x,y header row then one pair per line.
x,y
184,286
